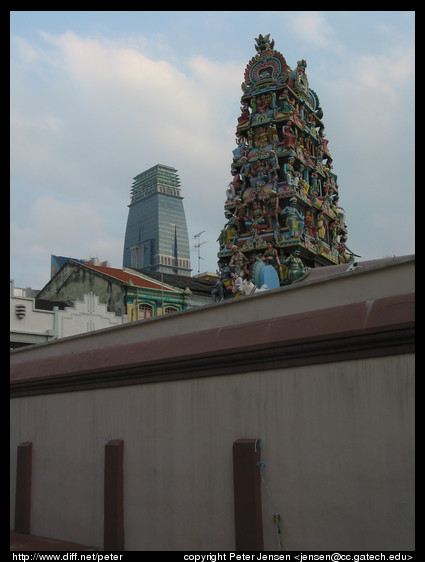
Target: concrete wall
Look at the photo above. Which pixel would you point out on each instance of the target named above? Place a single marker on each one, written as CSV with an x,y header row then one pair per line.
x,y
337,441
329,391
319,291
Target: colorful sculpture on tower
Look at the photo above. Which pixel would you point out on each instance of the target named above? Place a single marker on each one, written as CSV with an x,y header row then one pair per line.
x,y
282,205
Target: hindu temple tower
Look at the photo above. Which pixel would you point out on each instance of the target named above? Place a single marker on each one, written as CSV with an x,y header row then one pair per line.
x,y
282,205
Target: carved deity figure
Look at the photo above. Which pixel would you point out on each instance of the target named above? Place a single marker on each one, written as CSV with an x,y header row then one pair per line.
x,y
237,261
245,173
296,270
314,184
288,171
285,103
309,223
294,218
271,257
289,136
321,231
228,233
223,283
244,117
257,219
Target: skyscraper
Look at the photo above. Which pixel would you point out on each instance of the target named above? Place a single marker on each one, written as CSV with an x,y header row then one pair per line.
x,y
156,235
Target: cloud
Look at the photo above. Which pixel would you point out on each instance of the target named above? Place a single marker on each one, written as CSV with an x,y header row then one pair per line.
x,y
313,28
58,225
113,113
119,91
385,73
59,228
369,120
87,115
24,51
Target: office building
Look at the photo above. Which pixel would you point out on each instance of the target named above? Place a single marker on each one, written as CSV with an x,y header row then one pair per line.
x,y
156,236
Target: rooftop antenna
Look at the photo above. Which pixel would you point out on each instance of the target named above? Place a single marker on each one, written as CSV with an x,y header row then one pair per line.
x,y
198,246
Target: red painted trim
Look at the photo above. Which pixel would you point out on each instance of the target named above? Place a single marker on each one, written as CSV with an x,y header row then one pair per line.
x,y
23,489
113,525
360,330
247,495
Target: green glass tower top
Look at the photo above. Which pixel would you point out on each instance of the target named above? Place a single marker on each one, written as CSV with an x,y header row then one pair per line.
x,y
158,179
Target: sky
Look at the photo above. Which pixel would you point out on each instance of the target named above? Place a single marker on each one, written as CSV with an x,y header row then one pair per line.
x,y
97,97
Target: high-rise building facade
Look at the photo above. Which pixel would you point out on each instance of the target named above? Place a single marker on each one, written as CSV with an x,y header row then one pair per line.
x,y
156,236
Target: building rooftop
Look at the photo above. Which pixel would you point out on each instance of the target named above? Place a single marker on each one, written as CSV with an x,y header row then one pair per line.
x,y
197,286
125,276
152,279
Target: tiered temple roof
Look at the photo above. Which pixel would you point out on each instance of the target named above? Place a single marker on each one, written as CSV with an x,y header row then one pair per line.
x,y
282,206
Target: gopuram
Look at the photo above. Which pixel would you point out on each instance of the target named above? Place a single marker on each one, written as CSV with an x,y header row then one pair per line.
x,y
282,205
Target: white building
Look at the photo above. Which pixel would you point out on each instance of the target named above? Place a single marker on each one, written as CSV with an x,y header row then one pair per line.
x,y
33,321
